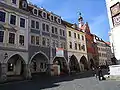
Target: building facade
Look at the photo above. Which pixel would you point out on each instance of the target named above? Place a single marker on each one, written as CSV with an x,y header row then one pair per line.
x,y
91,46
76,47
31,40
104,52
47,35
113,9
13,39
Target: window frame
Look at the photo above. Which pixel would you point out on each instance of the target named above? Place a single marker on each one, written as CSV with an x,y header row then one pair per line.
x,y
11,38
3,36
23,43
24,22
12,20
31,39
5,16
69,33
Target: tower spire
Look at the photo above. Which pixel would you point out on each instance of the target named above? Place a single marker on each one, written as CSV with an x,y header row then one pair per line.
x,y
80,20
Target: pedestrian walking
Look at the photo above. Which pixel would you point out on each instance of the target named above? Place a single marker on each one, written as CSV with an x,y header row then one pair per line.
x,y
100,74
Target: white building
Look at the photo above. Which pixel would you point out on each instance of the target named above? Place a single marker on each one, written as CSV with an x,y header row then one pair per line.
x,y
113,9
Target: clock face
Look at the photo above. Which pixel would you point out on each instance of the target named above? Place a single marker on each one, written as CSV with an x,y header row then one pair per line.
x,y
115,9
116,20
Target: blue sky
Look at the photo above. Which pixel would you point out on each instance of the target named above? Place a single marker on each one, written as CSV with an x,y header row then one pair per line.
x,y
93,11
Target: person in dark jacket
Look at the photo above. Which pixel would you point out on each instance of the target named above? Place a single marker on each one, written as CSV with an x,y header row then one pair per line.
x,y
100,74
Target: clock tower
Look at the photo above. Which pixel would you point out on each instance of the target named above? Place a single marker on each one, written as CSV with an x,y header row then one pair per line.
x,y
80,21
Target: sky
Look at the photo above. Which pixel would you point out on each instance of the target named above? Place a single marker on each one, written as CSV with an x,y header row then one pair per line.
x,y
93,11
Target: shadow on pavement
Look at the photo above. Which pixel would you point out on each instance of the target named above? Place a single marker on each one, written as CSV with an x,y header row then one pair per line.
x,y
43,81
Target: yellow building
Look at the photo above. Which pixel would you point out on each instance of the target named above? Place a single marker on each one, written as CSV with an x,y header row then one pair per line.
x,y
76,47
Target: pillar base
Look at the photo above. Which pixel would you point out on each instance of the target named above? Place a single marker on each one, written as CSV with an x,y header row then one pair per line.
x,y
27,73
3,76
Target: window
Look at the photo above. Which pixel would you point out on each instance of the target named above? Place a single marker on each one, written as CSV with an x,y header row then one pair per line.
x,y
79,46
44,41
37,25
52,29
14,1
48,42
60,31
83,47
11,38
58,20
1,36
69,33
35,11
2,16
74,35
13,19
75,46
32,24
24,4
47,28
10,67
32,39
21,40
52,18
37,40
63,33
70,45
22,22
82,37
78,36
43,27
56,32
44,14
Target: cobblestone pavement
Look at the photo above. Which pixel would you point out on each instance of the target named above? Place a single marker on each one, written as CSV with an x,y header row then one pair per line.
x,y
87,84
62,83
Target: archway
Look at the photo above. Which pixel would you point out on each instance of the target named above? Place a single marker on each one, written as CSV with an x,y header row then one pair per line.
x,y
63,64
16,66
92,64
73,64
83,61
38,63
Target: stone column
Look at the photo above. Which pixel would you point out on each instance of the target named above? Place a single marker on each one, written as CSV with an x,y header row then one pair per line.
x,y
3,76
27,73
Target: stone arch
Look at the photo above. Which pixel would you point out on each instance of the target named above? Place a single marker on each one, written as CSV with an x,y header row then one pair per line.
x,y
74,64
16,65
63,64
38,63
84,63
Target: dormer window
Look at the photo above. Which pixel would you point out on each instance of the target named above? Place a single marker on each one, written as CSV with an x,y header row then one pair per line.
x,y
35,11
51,18
24,4
59,20
14,1
55,19
44,15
